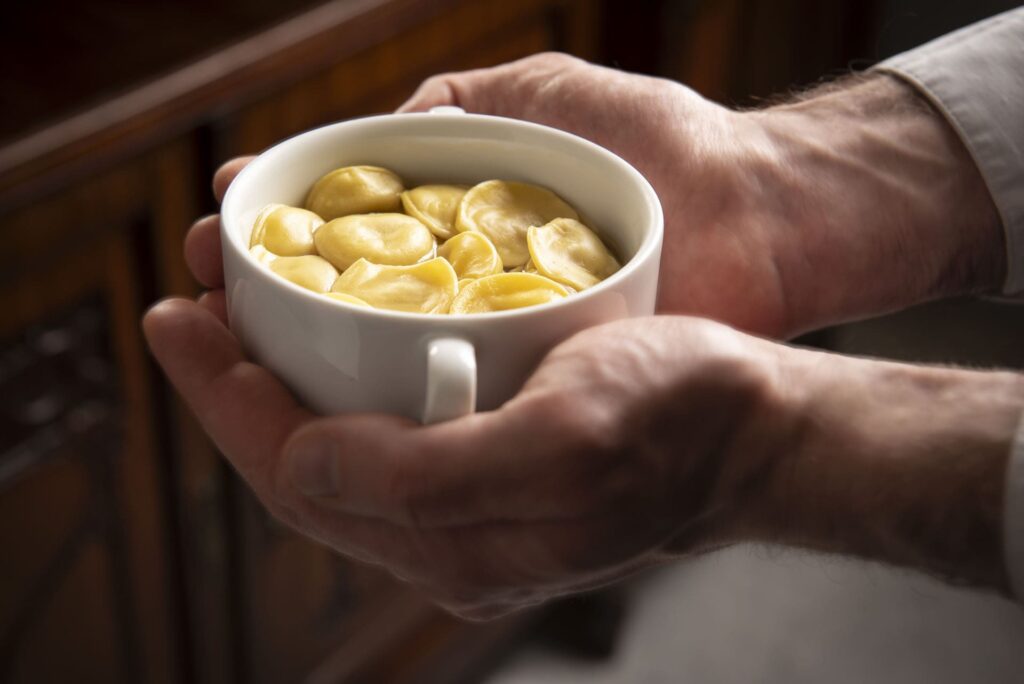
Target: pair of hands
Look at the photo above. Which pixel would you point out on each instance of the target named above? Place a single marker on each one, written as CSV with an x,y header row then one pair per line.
x,y
636,440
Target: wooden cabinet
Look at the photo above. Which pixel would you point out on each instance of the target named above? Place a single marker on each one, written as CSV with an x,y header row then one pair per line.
x,y
130,551
87,580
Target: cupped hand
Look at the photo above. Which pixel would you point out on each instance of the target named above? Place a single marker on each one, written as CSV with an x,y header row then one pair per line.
x,y
615,454
595,469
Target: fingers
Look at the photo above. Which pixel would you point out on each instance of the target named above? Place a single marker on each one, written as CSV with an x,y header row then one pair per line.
x,y
366,539
513,464
434,92
202,244
504,90
471,90
379,467
203,251
242,406
474,91
482,571
444,571
216,303
226,173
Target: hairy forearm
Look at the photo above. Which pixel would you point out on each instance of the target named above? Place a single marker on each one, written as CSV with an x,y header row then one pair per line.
x,y
899,463
885,202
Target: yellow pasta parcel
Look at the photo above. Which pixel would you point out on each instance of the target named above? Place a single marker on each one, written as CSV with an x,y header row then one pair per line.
x,y
311,272
504,210
435,206
347,298
567,251
387,239
471,254
285,231
355,190
260,254
506,291
427,287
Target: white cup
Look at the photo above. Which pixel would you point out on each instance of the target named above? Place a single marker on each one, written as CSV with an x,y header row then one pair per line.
x,y
339,358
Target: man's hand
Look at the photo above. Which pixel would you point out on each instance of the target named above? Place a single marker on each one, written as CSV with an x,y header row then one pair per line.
x,y
856,201
616,451
633,442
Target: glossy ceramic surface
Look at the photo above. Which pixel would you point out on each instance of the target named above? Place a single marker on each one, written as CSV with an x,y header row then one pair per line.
x,y
339,358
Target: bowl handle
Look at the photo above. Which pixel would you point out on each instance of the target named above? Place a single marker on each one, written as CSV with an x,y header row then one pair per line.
x,y
451,380
447,109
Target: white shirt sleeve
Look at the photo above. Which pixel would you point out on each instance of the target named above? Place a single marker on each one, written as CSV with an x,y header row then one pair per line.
x,y
975,76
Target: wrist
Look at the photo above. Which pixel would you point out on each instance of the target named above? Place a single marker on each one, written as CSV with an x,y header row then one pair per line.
x,y
738,489
891,210
893,462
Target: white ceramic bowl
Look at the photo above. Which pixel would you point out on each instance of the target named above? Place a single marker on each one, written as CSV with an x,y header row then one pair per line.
x,y
340,358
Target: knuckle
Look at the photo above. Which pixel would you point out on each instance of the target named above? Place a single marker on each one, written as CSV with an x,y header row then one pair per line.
x,y
590,445
553,58
433,82
586,427
444,83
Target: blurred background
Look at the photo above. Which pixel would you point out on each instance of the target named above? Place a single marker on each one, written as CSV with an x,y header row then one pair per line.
x,y
130,553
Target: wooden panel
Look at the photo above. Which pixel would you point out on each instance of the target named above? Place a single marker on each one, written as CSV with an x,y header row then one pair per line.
x,y
42,235
70,149
475,34
743,51
706,58
76,307
109,56
80,608
304,601
141,487
787,44
60,612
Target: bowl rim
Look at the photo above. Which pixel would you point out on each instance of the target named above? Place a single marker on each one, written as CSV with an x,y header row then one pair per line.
x,y
651,240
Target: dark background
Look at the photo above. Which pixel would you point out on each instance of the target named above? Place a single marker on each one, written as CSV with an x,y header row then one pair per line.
x,y
128,550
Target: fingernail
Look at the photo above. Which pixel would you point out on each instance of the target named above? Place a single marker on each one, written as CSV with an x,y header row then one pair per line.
x,y
313,468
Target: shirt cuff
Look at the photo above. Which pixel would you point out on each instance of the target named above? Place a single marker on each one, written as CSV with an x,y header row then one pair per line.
x,y
1013,517
975,77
